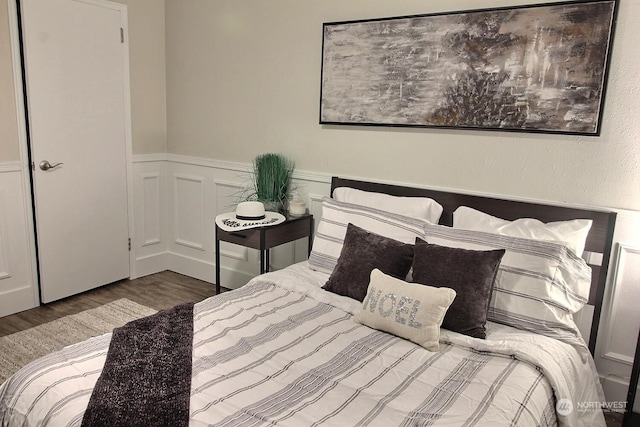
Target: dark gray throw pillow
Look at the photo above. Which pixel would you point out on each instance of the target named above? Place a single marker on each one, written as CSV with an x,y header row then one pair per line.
x,y
470,273
363,251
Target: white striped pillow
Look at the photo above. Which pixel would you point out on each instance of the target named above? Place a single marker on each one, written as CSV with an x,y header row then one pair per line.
x,y
539,285
572,233
329,237
415,207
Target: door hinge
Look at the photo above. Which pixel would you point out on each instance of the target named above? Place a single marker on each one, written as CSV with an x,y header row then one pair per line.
x,y
121,35
129,244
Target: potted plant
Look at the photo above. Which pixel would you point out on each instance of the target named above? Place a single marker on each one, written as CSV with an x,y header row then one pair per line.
x,y
271,176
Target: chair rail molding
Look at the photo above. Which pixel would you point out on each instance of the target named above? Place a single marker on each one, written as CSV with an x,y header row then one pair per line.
x,y
10,167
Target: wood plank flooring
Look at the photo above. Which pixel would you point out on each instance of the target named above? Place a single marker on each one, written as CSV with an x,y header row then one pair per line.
x,y
159,291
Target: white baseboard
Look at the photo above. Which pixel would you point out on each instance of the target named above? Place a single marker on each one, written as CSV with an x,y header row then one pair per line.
x,y
206,271
150,265
616,389
20,298
191,267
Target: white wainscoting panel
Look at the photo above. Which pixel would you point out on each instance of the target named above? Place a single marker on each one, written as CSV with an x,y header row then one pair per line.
x,y
583,319
152,207
226,197
19,291
149,239
5,268
18,285
203,188
623,306
197,203
620,320
189,211
314,204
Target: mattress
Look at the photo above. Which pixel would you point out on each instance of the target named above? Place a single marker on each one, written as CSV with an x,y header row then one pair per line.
x,y
282,351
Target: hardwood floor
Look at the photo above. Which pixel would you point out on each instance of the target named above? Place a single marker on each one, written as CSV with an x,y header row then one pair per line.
x,y
159,291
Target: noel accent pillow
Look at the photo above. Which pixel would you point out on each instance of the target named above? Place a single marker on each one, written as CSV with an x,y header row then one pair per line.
x,y
408,310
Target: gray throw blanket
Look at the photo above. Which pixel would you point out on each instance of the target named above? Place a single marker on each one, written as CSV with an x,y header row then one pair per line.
x,y
146,379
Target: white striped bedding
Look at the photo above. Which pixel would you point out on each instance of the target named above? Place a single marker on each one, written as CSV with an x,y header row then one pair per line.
x,y
539,285
282,351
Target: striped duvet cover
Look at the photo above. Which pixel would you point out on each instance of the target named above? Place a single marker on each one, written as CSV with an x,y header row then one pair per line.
x,y
282,351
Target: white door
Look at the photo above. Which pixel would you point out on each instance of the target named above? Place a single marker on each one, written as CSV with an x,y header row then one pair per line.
x,y
76,77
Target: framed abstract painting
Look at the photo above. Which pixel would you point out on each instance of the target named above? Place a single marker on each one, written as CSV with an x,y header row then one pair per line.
x,y
534,68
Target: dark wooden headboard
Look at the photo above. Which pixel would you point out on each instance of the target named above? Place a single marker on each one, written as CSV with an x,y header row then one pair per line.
x,y
599,241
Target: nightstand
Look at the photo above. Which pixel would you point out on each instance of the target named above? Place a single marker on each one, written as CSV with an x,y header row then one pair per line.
x,y
265,238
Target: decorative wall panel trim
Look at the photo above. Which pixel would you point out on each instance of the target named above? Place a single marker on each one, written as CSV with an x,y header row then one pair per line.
x,y
243,168
325,178
227,188
151,264
149,158
315,207
224,187
5,268
10,167
210,163
241,255
152,208
18,283
626,275
189,211
26,292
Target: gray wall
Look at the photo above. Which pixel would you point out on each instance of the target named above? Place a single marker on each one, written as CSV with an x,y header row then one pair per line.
x,y
9,149
148,82
243,78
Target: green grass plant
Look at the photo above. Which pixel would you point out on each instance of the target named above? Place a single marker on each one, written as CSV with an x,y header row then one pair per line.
x,y
271,176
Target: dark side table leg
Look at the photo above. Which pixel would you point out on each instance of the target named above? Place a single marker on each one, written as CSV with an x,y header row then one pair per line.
x,y
217,263
264,253
310,240
266,261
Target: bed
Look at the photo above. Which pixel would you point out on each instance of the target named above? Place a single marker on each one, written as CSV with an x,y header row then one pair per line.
x,y
393,320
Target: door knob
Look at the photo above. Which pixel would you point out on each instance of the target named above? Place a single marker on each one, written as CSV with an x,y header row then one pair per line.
x,y
45,165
